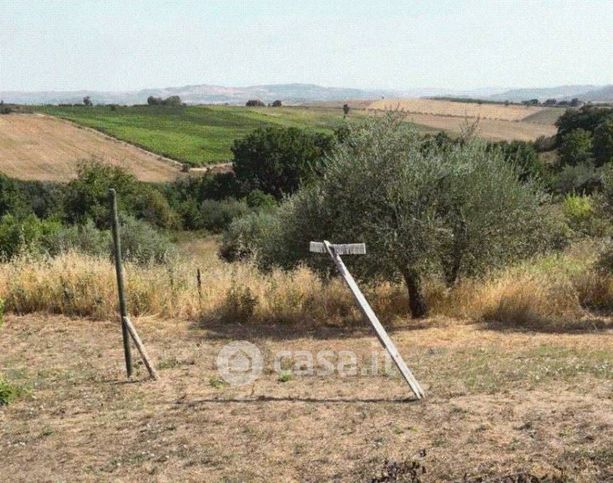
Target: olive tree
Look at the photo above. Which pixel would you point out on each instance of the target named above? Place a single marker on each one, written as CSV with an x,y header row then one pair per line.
x,y
421,210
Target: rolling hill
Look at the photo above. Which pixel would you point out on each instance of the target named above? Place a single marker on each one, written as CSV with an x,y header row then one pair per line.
x,y
296,94
44,148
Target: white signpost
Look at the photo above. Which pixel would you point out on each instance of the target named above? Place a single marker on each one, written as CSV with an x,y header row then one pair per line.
x,y
360,249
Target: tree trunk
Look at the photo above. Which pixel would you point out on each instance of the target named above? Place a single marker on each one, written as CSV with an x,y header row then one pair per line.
x,y
417,303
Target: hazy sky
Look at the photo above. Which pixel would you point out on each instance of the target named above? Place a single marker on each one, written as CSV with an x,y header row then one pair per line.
x,y
128,44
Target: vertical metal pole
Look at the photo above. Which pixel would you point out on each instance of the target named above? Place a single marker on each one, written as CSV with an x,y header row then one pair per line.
x,y
120,288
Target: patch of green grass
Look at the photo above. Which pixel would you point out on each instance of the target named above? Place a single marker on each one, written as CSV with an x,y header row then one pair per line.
x,y
8,391
217,382
285,376
196,135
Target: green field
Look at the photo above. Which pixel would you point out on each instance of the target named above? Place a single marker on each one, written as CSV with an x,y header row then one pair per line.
x,y
197,135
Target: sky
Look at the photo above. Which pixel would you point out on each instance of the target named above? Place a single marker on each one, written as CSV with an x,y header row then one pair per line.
x,y
392,44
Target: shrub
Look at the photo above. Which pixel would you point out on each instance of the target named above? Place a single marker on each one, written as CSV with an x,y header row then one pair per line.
x,y
545,143
278,160
196,189
239,305
582,216
457,211
605,263
523,155
29,235
87,197
581,179
586,118
141,243
575,148
578,207
243,235
603,142
259,199
254,103
12,200
84,238
216,216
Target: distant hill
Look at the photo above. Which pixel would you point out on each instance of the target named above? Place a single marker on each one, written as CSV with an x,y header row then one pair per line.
x,y
212,94
204,94
295,94
582,92
604,94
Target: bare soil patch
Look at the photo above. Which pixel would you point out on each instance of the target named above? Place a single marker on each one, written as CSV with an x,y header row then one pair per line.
x,y
496,404
39,147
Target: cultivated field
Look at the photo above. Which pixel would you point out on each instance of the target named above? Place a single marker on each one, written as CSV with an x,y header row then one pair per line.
x,y
37,147
196,135
435,107
497,403
491,129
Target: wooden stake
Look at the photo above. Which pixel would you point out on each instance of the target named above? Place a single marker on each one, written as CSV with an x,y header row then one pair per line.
x,y
199,284
127,328
141,348
373,319
123,310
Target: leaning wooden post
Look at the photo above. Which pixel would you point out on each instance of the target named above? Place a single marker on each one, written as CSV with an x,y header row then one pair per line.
x,y
127,327
359,249
123,310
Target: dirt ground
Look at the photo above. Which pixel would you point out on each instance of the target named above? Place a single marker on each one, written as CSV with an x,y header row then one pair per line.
x,y
497,403
38,147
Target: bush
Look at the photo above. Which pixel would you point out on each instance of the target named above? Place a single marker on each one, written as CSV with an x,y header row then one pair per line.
x,y
545,143
581,179
603,142
457,211
583,217
169,101
29,235
216,216
85,238
22,198
243,235
141,243
259,199
576,148
586,118
278,160
523,155
254,103
87,197
239,305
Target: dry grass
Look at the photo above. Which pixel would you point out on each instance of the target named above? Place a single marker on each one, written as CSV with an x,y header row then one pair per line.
x,y
496,404
435,107
487,128
496,121
37,147
550,293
